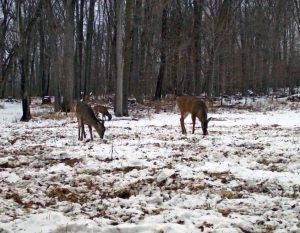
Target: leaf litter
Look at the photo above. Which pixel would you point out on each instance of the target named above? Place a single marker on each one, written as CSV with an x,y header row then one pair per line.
x,y
145,176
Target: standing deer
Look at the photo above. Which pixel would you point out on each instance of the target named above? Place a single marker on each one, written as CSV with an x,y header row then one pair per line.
x,y
103,110
197,108
85,115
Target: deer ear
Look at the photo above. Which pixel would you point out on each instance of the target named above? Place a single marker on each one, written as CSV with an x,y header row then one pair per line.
x,y
208,120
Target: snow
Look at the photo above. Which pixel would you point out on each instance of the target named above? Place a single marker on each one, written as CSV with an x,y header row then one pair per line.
x,y
145,176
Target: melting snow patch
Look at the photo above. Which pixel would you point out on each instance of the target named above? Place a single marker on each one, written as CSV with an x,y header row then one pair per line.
x,y
9,177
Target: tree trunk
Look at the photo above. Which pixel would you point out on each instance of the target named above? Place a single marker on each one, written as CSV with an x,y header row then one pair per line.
x,y
119,59
161,73
68,71
6,55
136,57
24,49
42,67
54,57
88,48
127,56
110,52
25,83
198,82
79,48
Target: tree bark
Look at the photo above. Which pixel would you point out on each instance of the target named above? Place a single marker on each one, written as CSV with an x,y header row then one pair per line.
x,y
79,49
54,55
6,54
24,48
136,55
161,73
119,59
198,79
127,56
42,67
88,48
68,89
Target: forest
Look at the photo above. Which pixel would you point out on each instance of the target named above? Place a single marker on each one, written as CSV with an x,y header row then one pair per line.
x,y
147,49
233,166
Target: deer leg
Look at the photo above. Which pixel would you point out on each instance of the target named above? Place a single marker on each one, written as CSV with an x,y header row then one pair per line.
x,y
183,116
83,132
91,132
80,128
194,121
204,127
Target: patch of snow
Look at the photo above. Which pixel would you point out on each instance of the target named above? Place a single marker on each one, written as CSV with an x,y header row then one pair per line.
x,y
145,176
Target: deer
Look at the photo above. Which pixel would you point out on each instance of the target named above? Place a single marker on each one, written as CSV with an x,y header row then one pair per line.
x,y
103,110
197,108
86,115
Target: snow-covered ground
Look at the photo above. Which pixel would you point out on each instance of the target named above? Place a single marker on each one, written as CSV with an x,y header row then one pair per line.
x,y
145,176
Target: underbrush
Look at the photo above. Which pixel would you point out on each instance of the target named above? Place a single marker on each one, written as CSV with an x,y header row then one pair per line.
x,y
149,107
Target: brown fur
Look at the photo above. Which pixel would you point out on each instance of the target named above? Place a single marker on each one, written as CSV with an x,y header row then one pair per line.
x,y
103,110
85,115
194,106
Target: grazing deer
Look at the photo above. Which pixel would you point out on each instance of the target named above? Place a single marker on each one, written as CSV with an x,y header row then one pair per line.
x,y
196,107
85,115
103,110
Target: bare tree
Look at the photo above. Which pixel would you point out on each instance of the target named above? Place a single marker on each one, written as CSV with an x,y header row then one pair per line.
x,y
79,47
119,108
68,69
162,66
88,47
7,49
24,45
55,29
127,55
197,30
136,51
190,46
